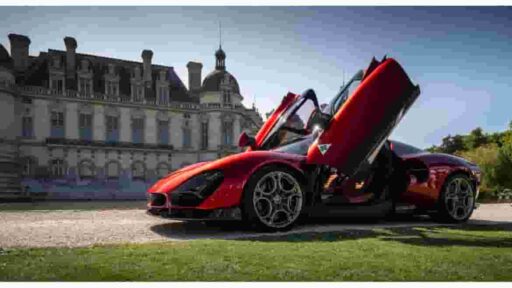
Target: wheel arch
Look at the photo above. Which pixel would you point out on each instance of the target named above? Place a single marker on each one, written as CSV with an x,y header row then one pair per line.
x,y
461,171
300,174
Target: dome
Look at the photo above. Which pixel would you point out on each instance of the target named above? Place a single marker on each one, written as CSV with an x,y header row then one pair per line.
x,y
212,81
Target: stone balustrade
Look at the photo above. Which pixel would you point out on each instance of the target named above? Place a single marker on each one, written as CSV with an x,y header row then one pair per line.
x,y
124,99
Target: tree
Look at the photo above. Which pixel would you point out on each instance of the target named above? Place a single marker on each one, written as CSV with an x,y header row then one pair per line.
x,y
475,139
485,157
450,144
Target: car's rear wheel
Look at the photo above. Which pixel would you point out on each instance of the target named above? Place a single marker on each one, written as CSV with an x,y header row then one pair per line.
x,y
457,200
273,198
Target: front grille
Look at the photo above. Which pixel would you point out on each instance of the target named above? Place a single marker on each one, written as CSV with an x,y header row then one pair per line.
x,y
157,199
185,199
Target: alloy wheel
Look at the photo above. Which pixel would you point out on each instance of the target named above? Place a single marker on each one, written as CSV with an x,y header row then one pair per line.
x,y
459,198
277,199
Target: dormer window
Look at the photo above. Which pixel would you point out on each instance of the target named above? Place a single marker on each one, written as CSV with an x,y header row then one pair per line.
x,y
85,86
136,72
137,93
111,69
112,88
162,75
84,65
56,62
163,95
57,83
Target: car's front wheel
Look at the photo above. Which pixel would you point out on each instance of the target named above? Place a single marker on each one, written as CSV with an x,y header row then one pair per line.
x,y
273,198
457,200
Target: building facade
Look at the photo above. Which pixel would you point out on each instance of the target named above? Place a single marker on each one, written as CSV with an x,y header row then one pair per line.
x,y
79,126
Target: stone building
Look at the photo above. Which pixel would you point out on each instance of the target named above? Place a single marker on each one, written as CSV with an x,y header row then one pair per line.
x,y
79,126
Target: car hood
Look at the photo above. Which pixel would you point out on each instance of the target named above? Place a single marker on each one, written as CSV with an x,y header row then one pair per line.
x,y
237,166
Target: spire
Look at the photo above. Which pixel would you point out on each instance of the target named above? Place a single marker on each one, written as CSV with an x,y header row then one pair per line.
x,y
220,56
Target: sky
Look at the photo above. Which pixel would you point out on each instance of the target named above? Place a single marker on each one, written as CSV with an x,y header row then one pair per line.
x,y
461,57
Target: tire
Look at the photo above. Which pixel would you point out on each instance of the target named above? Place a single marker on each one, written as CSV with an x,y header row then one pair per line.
x,y
270,206
457,200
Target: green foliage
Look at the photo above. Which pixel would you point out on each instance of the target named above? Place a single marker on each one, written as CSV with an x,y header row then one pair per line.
x,y
475,139
485,157
451,144
492,152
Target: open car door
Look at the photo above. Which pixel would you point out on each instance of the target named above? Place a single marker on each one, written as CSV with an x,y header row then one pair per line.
x,y
357,131
288,121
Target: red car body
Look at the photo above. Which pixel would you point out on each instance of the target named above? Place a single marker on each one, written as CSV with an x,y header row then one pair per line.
x,y
353,135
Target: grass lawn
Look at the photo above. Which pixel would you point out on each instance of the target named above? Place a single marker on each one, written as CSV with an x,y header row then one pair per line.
x,y
470,253
72,205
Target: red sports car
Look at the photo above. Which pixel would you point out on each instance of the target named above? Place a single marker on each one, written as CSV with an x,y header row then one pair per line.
x,y
328,160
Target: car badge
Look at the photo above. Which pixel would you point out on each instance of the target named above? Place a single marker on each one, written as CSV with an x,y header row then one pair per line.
x,y
323,148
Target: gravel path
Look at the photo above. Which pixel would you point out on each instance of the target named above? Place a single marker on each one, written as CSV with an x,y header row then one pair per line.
x,y
84,228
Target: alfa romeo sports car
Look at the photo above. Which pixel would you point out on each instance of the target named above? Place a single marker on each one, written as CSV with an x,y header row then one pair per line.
x,y
326,160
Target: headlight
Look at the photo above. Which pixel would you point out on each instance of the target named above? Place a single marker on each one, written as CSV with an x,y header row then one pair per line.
x,y
197,188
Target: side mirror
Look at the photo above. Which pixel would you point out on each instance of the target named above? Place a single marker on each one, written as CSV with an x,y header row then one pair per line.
x,y
246,140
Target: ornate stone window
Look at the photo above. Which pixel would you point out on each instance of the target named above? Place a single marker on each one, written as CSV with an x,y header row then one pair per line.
x,y
29,165
227,130
85,85
111,88
137,86
162,169
138,130
27,120
163,132
187,136
85,126
112,170
57,168
138,125
138,170
137,93
27,127
204,131
111,124
226,97
111,82
163,95
162,88
86,169
56,74
57,124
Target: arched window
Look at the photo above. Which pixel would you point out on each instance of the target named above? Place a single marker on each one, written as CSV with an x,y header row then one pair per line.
x,y
86,169
162,169
112,170
138,170
57,168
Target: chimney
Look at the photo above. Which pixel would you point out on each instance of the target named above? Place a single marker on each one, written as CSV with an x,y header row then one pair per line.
x,y
146,65
19,51
194,75
70,57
